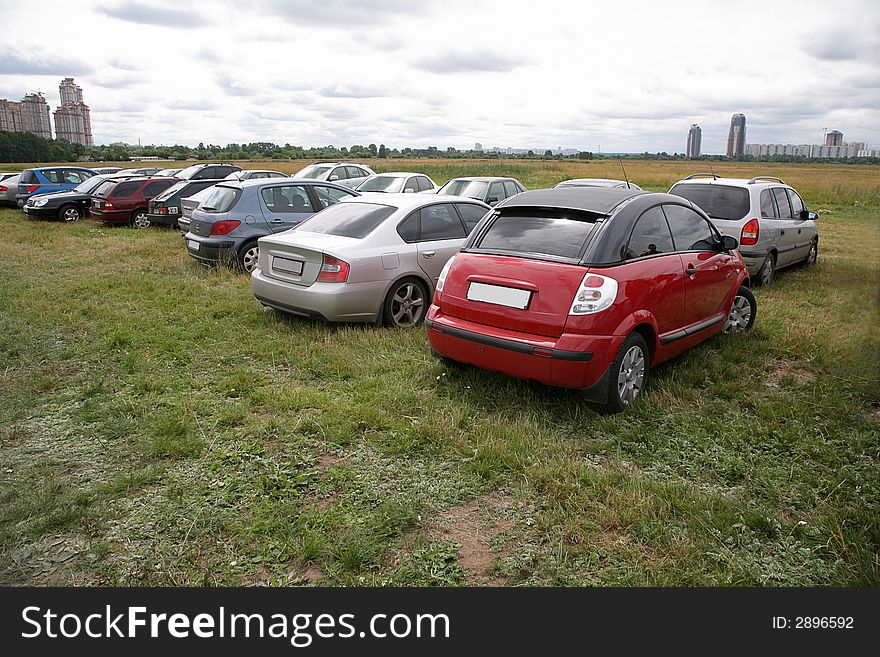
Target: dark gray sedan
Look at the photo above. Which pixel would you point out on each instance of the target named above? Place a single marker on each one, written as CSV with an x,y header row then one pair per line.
x,y
226,225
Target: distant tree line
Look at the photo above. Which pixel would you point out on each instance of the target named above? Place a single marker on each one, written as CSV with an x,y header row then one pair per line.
x,y
26,147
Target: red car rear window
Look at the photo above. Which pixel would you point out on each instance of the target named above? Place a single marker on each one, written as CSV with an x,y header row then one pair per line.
x,y
555,235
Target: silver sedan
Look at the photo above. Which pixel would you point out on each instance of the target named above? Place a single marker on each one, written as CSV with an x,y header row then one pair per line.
x,y
366,259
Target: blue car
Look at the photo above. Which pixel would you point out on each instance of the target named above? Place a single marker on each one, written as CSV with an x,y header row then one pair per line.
x,y
229,221
43,180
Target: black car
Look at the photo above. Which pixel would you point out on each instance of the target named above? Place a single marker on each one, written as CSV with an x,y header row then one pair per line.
x,y
207,171
67,205
165,208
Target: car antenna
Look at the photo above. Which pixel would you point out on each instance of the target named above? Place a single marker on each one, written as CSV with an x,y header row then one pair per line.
x,y
714,175
619,159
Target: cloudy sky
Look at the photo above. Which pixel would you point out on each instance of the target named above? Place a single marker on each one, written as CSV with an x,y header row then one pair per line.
x,y
607,76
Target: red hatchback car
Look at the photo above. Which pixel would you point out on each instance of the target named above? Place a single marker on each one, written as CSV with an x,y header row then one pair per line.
x,y
588,288
126,200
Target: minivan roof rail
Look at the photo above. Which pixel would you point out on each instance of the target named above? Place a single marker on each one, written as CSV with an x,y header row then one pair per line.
x,y
702,175
766,178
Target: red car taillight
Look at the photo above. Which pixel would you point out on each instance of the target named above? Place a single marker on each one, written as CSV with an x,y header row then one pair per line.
x,y
225,227
108,205
2,188
595,294
441,280
333,270
749,234
32,188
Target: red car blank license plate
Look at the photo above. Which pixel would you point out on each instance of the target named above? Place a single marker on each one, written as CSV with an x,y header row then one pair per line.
x,y
499,295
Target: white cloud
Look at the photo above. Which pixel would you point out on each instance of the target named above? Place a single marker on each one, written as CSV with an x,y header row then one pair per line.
x,y
556,73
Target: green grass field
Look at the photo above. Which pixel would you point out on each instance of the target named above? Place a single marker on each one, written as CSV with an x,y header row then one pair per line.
x,y
159,427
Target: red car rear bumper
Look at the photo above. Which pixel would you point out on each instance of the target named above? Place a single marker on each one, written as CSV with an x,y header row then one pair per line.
x,y
569,361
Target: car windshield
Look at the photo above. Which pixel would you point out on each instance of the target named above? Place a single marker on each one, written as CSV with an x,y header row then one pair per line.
x,y
389,184
171,191
718,201
469,188
221,199
188,173
89,184
348,219
313,171
527,233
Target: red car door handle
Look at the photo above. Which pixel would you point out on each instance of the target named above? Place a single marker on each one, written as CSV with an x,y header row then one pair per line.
x,y
691,270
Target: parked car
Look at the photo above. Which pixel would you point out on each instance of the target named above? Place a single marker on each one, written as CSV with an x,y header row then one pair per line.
x,y
141,171
489,189
253,174
190,203
588,289
397,182
343,173
165,209
598,182
106,170
126,201
48,179
8,190
68,205
207,171
226,225
4,175
367,259
769,218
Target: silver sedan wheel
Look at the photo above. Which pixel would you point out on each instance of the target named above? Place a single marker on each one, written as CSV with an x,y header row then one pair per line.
x,y
739,316
70,214
813,253
249,258
631,376
140,220
407,305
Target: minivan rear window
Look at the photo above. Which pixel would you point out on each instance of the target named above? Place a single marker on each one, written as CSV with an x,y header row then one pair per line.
x,y
718,201
553,235
355,220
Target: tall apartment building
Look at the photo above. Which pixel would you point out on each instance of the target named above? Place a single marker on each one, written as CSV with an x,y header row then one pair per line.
x,y
834,138
73,121
736,138
694,140
30,114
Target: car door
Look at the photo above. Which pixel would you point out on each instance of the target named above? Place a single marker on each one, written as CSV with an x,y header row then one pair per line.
x,y
654,273
441,234
496,193
339,176
787,226
285,206
806,229
710,274
356,176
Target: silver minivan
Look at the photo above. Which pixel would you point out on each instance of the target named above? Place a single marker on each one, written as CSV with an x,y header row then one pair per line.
x,y
768,218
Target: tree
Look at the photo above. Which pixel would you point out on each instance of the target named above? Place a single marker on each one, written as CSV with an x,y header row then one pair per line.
x,y
373,149
383,152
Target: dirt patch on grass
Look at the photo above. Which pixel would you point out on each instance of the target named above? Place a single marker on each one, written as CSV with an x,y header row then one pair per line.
x,y
783,369
474,526
330,460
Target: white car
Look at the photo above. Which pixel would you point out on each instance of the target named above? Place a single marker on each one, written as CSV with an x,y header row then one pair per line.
x,y
395,182
769,218
349,174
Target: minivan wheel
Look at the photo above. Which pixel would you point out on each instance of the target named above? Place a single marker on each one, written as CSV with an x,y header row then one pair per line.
x,y
406,303
767,271
248,255
812,254
69,213
742,311
139,219
629,373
